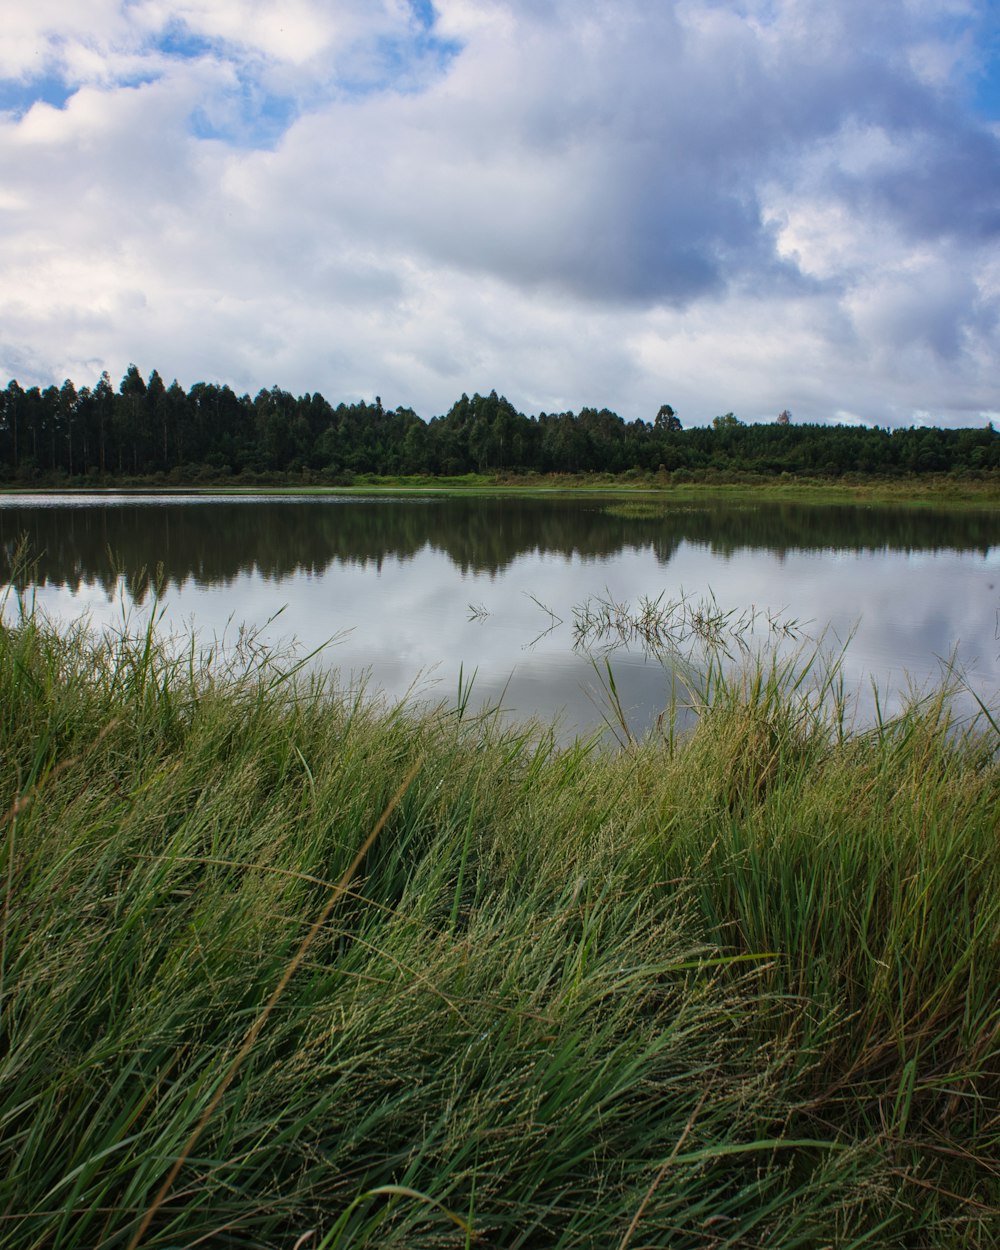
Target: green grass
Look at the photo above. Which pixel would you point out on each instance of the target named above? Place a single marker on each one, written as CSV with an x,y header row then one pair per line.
x,y
738,990
641,495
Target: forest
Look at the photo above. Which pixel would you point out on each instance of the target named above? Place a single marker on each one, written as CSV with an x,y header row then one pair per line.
x,y
150,431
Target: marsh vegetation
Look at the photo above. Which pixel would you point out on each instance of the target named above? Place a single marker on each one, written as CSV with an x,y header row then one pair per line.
x,y
286,967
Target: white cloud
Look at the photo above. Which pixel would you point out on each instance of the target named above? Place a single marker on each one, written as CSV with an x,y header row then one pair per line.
x,y
780,205
34,33
287,30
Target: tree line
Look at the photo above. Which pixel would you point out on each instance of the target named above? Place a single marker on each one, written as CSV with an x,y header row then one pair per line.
x,y
146,429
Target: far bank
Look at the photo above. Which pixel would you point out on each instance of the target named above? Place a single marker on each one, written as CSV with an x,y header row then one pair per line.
x,y
976,490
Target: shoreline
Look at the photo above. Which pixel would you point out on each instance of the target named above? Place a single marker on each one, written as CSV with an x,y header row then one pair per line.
x,y
918,491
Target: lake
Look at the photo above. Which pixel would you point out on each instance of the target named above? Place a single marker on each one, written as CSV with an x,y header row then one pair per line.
x,y
418,596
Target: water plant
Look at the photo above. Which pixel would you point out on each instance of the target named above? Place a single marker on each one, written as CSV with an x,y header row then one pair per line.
x,y
672,627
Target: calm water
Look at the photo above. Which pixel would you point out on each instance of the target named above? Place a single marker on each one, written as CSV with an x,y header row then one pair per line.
x,y
411,592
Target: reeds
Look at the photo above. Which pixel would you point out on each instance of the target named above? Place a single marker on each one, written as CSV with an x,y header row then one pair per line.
x,y
740,991
674,628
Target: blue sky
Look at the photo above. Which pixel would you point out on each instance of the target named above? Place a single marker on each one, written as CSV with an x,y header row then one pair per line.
x,y
986,83
780,204
17,96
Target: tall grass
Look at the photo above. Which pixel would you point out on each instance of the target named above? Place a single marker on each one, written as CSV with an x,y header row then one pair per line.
x,y
735,990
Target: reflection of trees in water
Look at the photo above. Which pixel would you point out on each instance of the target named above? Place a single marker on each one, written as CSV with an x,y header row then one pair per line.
x,y
213,543
785,528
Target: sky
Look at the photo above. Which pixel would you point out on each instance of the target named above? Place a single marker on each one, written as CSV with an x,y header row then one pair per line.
x,y
742,206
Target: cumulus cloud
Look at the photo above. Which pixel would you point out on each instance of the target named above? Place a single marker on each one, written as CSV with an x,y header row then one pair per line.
x,y
782,203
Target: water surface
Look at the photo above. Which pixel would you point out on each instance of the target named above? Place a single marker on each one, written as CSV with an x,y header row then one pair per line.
x,y
410,593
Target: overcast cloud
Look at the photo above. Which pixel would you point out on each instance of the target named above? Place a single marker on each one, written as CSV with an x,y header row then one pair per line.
x,y
725,206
